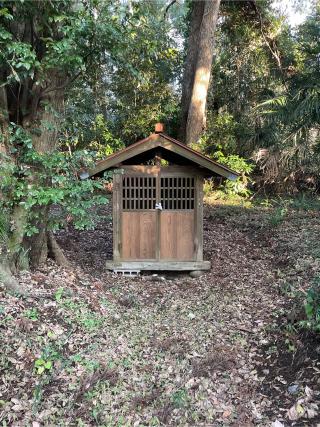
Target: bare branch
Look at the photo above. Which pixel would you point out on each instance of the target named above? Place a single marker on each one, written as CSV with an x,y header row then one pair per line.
x,y
168,7
274,53
72,79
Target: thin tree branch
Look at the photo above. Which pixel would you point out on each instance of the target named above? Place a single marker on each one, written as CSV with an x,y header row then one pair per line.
x,y
168,7
72,79
273,52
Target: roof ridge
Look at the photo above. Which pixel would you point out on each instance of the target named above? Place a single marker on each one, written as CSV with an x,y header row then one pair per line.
x,y
158,140
196,152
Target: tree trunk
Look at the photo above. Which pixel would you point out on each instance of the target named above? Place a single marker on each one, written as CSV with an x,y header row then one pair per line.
x,y
190,65
37,244
8,281
46,105
9,244
197,106
33,103
18,222
47,119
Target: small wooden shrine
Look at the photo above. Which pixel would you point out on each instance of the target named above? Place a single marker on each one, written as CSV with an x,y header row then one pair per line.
x,y
158,204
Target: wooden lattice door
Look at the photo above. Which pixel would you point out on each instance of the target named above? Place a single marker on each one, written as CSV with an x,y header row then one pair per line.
x,y
157,216
139,218
177,225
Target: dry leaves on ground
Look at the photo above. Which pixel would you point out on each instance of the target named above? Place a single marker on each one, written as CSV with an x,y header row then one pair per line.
x,y
86,347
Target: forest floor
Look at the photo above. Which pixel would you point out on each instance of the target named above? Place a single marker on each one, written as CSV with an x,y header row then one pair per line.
x,y
87,347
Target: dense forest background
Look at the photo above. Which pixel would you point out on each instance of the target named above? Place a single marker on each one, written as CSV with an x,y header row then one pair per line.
x,y
80,80
263,98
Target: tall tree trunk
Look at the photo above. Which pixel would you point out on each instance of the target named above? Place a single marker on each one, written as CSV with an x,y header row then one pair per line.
x,y
33,103
197,104
190,65
47,119
9,244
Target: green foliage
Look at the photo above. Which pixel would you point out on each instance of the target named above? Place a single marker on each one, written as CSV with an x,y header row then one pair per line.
x,y
79,312
219,143
42,366
4,227
131,94
292,114
239,187
278,215
180,398
243,71
58,294
32,314
266,79
42,179
302,201
305,202
312,307
95,136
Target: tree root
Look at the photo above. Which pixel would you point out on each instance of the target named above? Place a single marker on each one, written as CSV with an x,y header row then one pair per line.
x,y
8,281
8,268
55,252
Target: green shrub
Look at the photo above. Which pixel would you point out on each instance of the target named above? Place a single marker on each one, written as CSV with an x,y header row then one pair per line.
x,y
38,180
228,189
239,187
103,142
220,144
305,202
312,307
278,215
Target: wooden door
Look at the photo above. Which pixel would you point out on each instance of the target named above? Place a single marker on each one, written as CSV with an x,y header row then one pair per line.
x,y
139,217
177,218
157,215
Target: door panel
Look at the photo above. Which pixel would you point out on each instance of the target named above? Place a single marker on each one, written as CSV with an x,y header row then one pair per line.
x,y
177,235
138,235
165,233
177,217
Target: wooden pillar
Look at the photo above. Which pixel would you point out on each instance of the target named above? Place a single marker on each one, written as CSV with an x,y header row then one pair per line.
x,y
198,219
158,220
117,208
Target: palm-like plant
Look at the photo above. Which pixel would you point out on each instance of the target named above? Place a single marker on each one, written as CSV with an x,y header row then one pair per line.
x,y
294,116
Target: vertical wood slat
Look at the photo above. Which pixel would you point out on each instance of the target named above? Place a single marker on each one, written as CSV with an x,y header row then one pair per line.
x,y
157,183
177,235
183,191
127,192
198,219
149,193
116,215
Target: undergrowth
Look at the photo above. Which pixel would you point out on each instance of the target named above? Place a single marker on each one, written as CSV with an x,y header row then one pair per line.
x,y
312,307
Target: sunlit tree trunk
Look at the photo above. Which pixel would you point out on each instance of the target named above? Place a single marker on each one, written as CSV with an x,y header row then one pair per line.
x,y
202,62
190,65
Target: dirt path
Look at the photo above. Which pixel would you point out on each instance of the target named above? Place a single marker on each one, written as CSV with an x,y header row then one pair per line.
x,y
172,351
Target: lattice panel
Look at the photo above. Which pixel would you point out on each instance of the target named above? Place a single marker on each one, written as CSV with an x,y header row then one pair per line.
x,y
138,193
177,193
